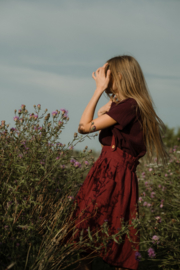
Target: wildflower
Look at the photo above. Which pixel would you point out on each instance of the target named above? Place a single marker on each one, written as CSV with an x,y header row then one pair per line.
x,y
39,106
145,204
150,169
70,198
140,199
72,160
151,253
86,162
57,158
63,166
71,147
3,123
163,188
144,194
54,113
75,135
161,205
152,194
159,186
65,116
146,183
77,164
23,107
138,256
15,118
12,129
64,111
60,123
171,173
166,175
158,218
155,239
35,116
148,205
19,111
143,174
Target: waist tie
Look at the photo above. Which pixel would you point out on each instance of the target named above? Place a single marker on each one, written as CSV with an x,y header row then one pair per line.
x,y
130,161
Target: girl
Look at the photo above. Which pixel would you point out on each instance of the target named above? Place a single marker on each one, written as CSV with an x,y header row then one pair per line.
x,y
129,128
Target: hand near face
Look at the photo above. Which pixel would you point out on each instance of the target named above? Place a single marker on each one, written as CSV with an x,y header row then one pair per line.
x,y
102,80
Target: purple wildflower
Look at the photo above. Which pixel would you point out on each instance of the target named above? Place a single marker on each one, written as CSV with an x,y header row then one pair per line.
x,y
152,194
146,183
143,174
137,256
60,123
39,106
148,205
151,253
71,147
64,111
145,204
77,164
57,158
140,199
155,239
166,175
158,218
72,160
159,186
86,162
15,118
54,113
161,205
35,116
13,129
59,144
63,166
150,169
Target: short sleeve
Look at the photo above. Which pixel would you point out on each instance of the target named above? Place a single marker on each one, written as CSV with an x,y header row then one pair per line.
x,y
123,113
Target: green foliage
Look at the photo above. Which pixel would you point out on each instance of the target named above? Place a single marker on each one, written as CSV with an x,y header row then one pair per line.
x,y
40,178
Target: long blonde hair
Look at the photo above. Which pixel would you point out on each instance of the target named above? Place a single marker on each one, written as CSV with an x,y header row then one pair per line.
x,y
133,85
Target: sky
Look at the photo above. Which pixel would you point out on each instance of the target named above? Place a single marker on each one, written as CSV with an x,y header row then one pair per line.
x,y
49,49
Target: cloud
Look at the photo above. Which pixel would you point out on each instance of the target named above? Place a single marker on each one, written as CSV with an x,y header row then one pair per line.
x,y
41,80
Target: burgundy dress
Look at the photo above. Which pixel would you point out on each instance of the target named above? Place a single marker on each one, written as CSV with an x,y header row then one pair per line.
x,y
110,190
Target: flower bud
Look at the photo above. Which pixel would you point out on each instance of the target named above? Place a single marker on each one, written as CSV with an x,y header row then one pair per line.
x,y
75,135
23,107
90,151
86,147
39,106
15,111
34,106
3,123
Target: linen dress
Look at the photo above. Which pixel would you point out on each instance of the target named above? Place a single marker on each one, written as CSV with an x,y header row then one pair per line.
x,y
110,190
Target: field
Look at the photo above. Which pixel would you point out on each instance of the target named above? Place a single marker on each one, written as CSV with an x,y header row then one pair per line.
x,y
40,177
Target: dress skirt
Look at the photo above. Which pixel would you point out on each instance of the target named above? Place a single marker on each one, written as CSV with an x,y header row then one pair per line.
x,y
108,194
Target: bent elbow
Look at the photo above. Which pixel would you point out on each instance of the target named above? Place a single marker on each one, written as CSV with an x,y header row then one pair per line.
x,y
81,129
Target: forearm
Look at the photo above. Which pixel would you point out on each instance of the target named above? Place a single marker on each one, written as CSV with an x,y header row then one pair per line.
x,y
88,113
